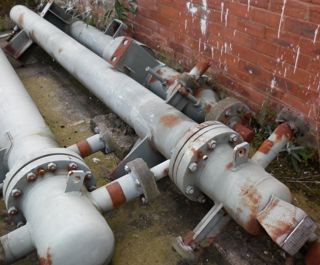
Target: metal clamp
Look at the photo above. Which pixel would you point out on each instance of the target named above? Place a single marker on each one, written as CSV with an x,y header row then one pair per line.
x,y
145,179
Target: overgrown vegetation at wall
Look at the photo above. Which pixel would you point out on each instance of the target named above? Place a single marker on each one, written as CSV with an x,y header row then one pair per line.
x,y
96,12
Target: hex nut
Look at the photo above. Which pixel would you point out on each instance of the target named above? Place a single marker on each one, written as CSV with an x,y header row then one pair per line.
x,y
72,166
189,190
16,193
193,167
52,167
31,177
212,144
233,138
12,211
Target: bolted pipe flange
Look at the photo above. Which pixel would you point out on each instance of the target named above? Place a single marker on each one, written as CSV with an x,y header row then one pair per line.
x,y
193,151
25,174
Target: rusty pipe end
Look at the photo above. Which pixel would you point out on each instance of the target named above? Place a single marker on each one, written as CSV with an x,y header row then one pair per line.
x,y
246,133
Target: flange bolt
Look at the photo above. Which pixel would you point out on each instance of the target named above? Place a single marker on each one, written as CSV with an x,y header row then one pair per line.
x,y
189,190
31,177
16,193
193,167
12,211
52,167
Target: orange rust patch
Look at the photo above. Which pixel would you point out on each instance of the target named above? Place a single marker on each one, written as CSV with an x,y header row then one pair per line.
x,y
252,200
197,153
229,166
116,193
170,120
188,239
21,20
166,172
283,130
46,260
313,255
84,148
202,67
266,146
246,133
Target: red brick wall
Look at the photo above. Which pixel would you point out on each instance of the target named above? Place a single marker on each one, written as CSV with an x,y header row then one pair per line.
x,y
262,51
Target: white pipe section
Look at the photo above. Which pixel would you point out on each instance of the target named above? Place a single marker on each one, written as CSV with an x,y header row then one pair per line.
x,y
16,244
127,189
65,228
19,117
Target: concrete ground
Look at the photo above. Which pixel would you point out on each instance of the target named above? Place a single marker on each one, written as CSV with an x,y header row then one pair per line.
x,y
143,233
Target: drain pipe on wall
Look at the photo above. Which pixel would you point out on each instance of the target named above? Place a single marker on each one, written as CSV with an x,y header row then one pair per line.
x,y
207,159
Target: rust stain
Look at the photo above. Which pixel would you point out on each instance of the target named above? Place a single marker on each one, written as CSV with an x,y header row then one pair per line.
x,y
265,147
172,80
252,199
202,67
188,238
46,260
283,130
166,172
121,51
246,133
313,254
207,108
40,172
198,92
21,20
198,154
229,166
182,90
116,193
84,148
278,229
170,120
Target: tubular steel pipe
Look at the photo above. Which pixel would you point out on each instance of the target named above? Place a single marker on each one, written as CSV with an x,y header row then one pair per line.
x,y
88,146
17,244
201,155
123,189
138,107
271,147
35,188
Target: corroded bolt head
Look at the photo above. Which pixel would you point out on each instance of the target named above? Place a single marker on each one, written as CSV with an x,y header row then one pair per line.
x,y
20,224
72,166
212,144
205,157
189,190
233,138
52,167
12,211
16,193
41,171
193,167
31,177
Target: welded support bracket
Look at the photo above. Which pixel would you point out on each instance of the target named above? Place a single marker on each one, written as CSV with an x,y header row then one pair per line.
x,y
240,154
75,181
115,28
144,179
204,234
142,150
